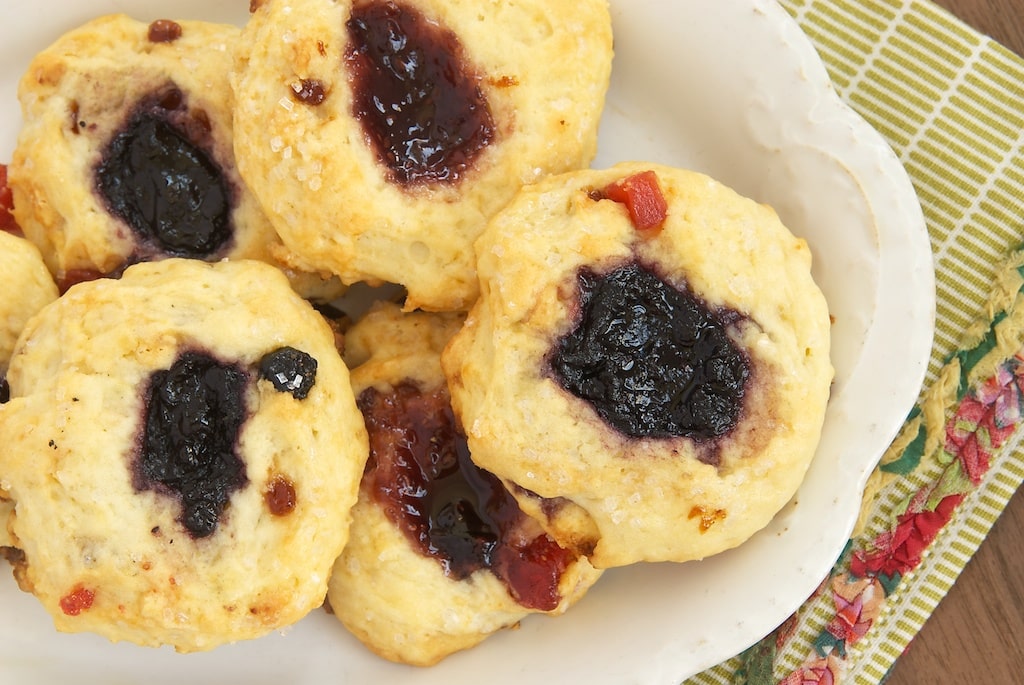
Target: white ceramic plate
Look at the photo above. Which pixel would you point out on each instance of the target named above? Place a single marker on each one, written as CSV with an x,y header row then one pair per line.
x,y
728,87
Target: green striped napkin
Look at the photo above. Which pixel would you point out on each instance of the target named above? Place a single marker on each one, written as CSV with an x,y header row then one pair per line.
x,y
951,104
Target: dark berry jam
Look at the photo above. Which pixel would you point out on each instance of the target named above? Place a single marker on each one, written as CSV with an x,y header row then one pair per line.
x,y
290,370
450,509
156,177
5,390
194,413
652,360
419,103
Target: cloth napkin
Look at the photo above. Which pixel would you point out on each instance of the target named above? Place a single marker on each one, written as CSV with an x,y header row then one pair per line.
x,y
950,102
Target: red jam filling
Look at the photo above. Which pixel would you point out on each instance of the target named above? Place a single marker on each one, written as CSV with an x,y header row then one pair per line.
x,y
420,105
422,475
7,222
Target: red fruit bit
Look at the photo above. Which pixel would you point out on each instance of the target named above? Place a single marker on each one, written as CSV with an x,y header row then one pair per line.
x,y
643,199
7,222
78,600
280,496
533,572
164,31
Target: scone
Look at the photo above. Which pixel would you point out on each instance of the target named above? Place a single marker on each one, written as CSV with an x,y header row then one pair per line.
x,y
647,367
380,136
27,287
440,555
126,153
183,449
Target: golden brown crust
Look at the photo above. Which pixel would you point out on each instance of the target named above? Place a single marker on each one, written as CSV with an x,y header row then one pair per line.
x,y
633,499
545,69
72,432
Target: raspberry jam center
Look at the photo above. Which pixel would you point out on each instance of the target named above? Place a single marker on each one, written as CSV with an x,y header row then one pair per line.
x,y
419,104
451,510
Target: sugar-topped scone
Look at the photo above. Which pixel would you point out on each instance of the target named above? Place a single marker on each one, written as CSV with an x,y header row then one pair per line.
x,y
27,287
183,449
381,135
126,153
440,555
648,365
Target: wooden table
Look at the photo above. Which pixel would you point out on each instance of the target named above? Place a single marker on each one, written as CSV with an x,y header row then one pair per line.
x,y
976,635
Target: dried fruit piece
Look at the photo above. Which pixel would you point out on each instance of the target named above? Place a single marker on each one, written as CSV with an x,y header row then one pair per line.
x,y
642,196
290,370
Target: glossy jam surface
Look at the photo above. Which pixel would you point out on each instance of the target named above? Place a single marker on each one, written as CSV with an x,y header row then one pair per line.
x,y
156,177
652,360
420,105
290,370
194,414
451,510
5,390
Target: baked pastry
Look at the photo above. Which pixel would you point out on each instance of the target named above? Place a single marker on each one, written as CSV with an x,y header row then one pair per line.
x,y
126,153
647,367
440,555
183,450
27,288
381,135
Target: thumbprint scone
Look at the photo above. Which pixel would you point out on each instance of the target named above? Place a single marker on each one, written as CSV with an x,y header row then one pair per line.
x,y
182,450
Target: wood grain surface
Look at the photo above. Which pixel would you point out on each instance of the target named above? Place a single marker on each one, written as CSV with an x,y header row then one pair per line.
x,y
976,634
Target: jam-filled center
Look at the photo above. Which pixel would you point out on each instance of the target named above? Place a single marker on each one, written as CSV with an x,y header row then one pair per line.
x,y
652,360
194,414
422,475
156,177
419,104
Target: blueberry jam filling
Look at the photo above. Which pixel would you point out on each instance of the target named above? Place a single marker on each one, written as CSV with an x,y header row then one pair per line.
x,y
194,413
652,360
420,105
421,473
5,390
290,370
154,176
